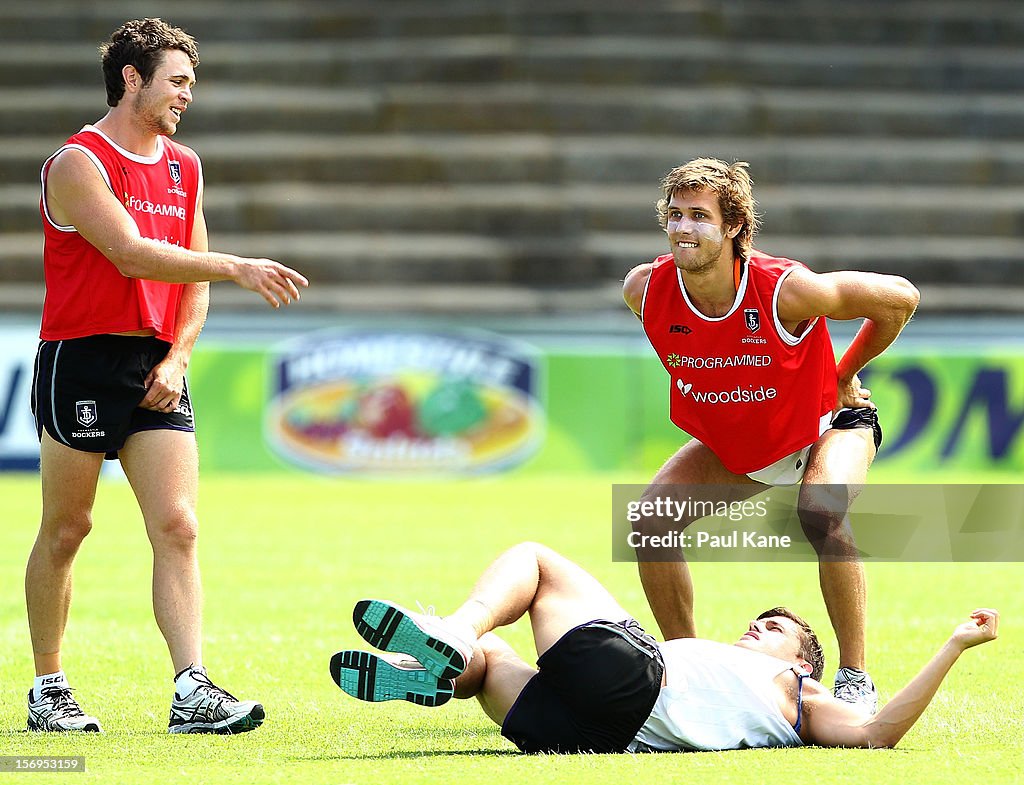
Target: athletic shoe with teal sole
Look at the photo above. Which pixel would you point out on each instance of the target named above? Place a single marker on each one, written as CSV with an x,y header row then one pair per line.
x,y
426,639
369,677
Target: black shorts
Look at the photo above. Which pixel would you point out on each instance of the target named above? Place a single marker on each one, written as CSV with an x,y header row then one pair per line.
x,y
847,419
86,392
595,689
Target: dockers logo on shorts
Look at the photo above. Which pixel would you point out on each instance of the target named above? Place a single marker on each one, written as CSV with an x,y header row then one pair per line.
x,y
402,401
175,169
85,413
752,318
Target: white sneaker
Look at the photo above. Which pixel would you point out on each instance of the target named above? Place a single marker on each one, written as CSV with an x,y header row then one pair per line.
x,y
209,709
56,710
853,685
428,639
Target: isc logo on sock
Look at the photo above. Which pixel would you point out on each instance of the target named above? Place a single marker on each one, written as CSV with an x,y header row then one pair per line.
x,y
51,680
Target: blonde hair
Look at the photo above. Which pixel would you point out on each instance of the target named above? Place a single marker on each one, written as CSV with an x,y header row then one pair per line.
x,y
730,182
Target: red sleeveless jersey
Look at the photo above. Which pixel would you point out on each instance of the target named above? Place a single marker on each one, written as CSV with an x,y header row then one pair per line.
x,y
741,384
85,293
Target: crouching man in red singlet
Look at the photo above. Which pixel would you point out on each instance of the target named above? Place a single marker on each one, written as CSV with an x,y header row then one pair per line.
x,y
755,382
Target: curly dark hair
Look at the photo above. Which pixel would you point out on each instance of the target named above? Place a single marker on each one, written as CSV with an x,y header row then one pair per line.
x,y
141,43
810,648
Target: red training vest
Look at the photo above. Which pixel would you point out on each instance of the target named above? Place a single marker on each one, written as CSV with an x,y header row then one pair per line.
x,y
85,293
741,384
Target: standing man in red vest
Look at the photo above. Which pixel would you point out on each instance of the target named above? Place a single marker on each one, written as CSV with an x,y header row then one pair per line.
x,y
126,263
754,380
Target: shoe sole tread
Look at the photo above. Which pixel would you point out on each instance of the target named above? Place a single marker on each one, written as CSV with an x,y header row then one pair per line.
x,y
391,628
366,676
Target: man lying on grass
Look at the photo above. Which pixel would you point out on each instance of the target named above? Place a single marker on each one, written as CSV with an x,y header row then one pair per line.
x,y
604,685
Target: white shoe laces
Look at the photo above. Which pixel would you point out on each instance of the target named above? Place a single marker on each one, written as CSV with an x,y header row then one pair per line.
x,y
428,611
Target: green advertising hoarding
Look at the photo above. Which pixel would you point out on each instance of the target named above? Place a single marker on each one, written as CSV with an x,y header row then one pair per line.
x,y
607,410
955,411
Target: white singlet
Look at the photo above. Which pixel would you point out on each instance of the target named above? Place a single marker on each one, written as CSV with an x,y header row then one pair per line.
x,y
716,697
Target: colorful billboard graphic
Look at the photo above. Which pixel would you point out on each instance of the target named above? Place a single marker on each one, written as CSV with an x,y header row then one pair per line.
x,y
947,409
19,446
468,402
402,401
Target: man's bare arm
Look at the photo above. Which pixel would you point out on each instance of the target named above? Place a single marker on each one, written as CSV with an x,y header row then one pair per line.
x,y
166,381
634,285
885,302
78,196
832,723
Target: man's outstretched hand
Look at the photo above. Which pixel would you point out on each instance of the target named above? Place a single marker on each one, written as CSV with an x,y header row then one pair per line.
x,y
275,283
982,627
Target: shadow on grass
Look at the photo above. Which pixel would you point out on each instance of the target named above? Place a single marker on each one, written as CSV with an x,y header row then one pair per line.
x,y
412,754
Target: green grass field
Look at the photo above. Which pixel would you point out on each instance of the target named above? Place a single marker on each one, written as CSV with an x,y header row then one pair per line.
x,y
284,558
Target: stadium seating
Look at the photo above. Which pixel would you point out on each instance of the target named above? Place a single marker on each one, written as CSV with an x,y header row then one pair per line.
x,y
503,155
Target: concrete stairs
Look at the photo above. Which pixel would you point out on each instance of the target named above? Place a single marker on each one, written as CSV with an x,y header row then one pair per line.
x,y
504,156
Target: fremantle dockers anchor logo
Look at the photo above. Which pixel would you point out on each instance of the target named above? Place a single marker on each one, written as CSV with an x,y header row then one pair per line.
x,y
175,169
752,318
85,413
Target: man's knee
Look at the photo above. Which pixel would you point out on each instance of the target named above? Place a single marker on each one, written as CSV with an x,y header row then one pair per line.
x,y
62,536
824,507
823,511
177,529
530,548
543,556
